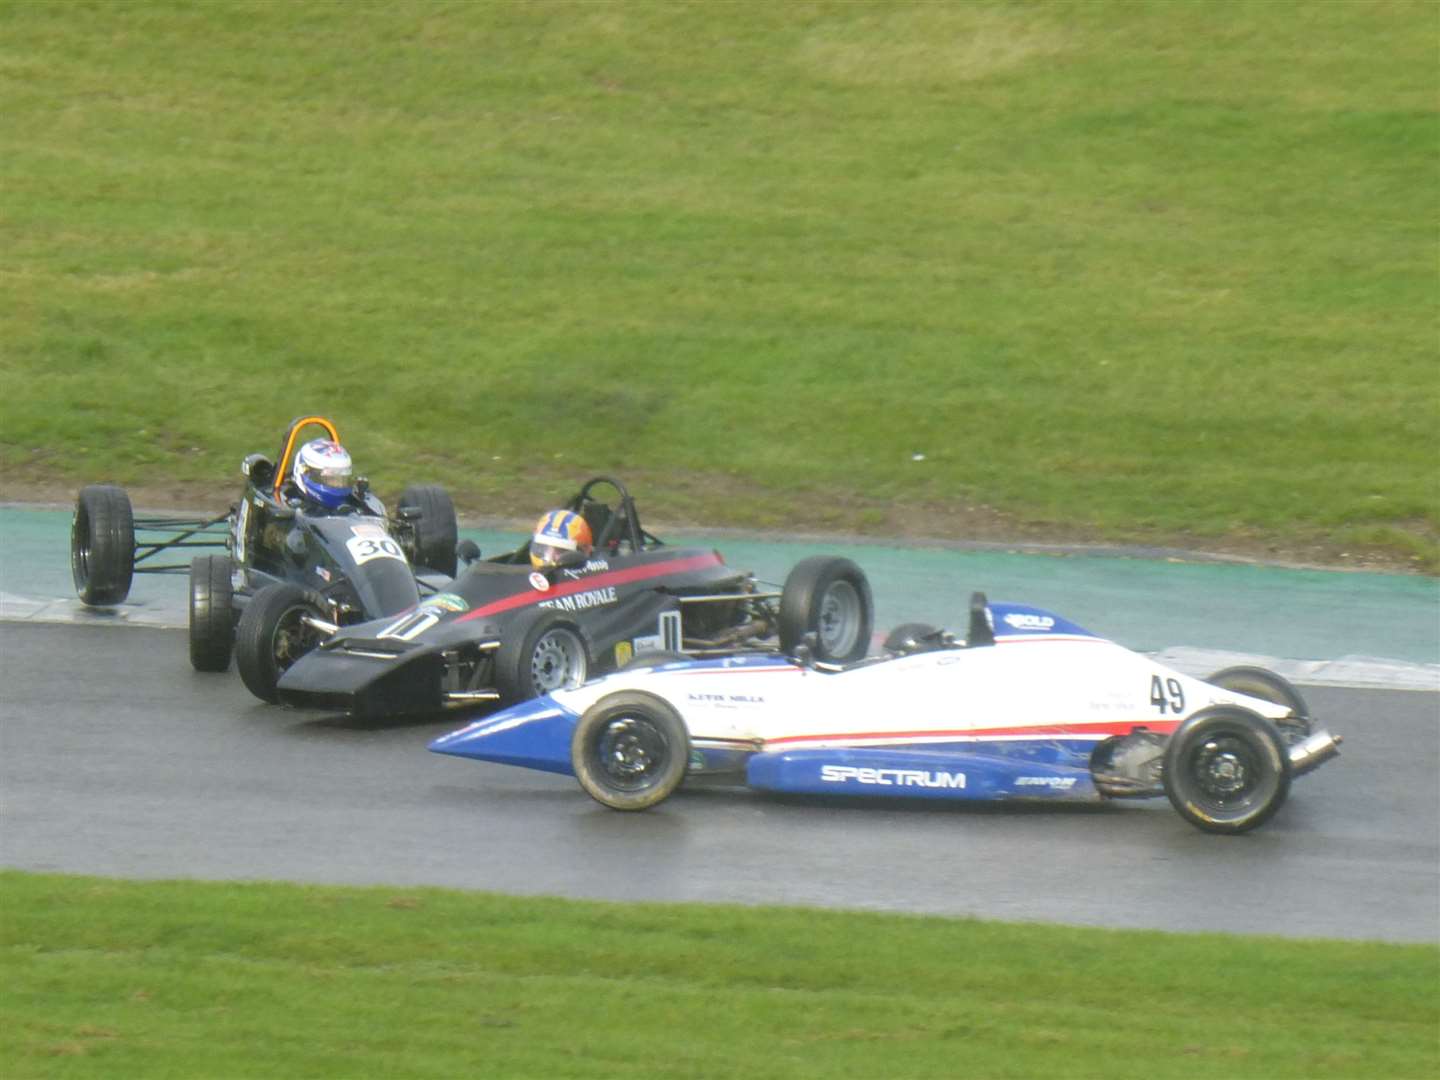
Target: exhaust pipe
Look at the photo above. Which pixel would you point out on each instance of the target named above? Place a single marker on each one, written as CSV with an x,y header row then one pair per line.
x,y
1310,753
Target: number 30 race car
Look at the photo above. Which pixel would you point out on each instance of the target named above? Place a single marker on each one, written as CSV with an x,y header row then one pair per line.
x,y
344,556
1028,706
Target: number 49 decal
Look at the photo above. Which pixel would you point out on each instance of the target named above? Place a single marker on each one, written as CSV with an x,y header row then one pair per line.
x,y
1167,695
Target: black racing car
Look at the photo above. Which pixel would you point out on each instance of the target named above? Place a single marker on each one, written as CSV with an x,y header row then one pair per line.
x,y
504,631
352,561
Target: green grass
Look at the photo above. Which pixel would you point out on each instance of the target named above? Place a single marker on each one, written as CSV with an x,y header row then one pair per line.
x,y
1117,269
110,978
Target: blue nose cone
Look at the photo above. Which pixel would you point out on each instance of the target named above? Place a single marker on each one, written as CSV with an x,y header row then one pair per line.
x,y
533,735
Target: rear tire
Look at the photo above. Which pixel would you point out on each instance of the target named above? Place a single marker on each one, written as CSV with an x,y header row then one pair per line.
x,y
271,636
1226,770
830,598
542,651
102,545
1267,686
630,750
212,618
436,531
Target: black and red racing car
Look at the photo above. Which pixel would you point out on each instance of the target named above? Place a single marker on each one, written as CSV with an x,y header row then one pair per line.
x,y
505,629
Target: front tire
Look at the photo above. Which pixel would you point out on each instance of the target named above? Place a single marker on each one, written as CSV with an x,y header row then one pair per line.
x,y
542,651
1226,770
102,545
271,636
1267,686
630,750
436,531
829,597
212,620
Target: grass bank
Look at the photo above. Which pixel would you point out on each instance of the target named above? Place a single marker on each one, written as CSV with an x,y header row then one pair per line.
x,y
107,978
1109,270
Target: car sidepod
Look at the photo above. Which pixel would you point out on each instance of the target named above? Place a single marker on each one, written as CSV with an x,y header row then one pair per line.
x,y
916,774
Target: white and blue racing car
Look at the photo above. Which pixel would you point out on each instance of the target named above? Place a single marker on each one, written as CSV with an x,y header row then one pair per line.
x,y
1027,706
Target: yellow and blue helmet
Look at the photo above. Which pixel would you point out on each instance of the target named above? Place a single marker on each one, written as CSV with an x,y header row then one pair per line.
x,y
562,538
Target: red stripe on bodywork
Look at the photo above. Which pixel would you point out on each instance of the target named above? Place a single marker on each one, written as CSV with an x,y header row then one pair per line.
x,y
1042,731
596,581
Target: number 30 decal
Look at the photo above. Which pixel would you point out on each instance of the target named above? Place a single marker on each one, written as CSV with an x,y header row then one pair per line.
x,y
365,548
1168,695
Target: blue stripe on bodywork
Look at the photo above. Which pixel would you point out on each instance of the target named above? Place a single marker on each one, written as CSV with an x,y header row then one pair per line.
x,y
921,774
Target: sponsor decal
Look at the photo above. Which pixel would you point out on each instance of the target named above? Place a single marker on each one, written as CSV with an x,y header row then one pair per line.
x,y
924,778
697,761
446,601
647,644
581,601
1059,782
591,567
539,582
727,700
623,652
1029,622
242,526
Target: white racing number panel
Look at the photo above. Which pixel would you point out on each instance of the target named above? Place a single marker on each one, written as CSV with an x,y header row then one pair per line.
x,y
372,542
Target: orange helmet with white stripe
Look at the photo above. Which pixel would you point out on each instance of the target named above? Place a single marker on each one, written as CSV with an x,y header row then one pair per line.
x,y
562,538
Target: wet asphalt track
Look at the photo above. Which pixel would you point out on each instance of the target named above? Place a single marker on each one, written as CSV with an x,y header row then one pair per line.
x,y
117,759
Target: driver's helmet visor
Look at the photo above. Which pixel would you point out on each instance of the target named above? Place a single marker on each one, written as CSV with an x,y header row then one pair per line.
x,y
336,477
552,551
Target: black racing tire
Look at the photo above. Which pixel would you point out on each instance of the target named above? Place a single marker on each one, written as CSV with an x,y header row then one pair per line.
x,y
271,636
212,616
1226,770
1267,686
541,651
630,750
102,545
908,638
436,531
829,597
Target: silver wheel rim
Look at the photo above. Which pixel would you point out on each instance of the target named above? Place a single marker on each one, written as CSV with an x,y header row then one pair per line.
x,y
839,627
558,661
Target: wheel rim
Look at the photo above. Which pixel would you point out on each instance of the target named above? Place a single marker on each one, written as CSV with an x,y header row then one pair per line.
x,y
839,623
293,639
558,661
632,752
1227,772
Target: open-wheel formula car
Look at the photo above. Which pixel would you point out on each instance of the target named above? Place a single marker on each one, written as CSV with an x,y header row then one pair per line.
x,y
348,559
1028,706
504,630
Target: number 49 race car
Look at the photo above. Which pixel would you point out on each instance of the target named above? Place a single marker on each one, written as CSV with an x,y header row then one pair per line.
x,y
511,627
1028,706
340,550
